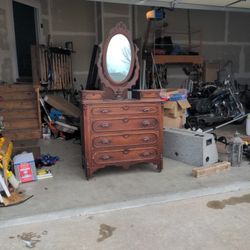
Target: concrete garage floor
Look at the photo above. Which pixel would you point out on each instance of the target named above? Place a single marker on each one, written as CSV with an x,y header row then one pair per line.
x,y
192,224
68,193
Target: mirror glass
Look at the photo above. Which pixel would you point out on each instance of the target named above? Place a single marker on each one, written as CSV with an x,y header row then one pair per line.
x,y
118,58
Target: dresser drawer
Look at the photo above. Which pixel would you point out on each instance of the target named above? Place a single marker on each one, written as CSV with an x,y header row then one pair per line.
x,y
124,155
125,109
125,124
126,139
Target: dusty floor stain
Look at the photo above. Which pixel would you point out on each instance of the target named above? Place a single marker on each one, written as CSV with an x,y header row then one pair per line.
x,y
45,232
105,232
231,201
30,239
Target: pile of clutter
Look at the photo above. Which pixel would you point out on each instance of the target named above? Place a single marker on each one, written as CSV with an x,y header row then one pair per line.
x,y
61,118
20,169
175,107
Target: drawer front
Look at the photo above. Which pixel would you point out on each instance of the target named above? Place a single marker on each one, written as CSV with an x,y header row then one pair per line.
x,y
126,109
124,155
125,139
125,124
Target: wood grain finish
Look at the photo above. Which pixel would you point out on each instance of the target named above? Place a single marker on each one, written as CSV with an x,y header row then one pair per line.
x,y
126,109
121,132
125,123
181,59
118,131
20,109
129,138
122,155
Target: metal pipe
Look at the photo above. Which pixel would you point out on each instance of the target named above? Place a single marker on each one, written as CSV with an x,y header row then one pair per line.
x,y
224,124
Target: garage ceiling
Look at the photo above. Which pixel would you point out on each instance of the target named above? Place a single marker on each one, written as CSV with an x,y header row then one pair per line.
x,y
226,5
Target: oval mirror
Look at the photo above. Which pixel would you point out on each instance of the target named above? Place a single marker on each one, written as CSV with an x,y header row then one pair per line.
x,y
118,58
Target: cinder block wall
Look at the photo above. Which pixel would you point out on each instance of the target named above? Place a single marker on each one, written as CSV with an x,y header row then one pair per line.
x,y
5,47
72,21
224,35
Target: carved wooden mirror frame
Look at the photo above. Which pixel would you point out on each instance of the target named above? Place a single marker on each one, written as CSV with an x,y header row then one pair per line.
x,y
118,89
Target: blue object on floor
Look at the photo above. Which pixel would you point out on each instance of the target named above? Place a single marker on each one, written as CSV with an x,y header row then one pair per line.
x,y
55,114
48,160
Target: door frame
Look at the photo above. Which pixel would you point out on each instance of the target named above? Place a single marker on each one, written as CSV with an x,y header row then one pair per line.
x,y
38,20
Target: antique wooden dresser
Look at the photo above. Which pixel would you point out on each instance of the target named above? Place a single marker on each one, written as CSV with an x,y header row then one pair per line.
x,y
118,131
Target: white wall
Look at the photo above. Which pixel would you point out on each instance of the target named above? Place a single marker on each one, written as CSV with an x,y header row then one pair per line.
x,y
6,62
224,35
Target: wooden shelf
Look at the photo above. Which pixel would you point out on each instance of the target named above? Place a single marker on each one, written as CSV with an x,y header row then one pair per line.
x,y
178,59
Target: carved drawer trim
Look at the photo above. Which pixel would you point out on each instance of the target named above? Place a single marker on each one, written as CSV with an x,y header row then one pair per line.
x,y
128,139
125,123
125,155
125,109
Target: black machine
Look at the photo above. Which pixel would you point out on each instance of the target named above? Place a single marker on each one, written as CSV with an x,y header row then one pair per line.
x,y
214,104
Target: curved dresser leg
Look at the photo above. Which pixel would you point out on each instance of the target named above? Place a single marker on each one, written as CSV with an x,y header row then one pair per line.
x,y
159,166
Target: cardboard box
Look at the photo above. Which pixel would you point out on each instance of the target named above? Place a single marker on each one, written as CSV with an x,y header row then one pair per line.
x,y
174,113
25,168
176,109
211,71
169,122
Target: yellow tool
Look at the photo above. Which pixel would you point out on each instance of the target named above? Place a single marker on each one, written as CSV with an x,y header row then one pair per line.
x,y
6,148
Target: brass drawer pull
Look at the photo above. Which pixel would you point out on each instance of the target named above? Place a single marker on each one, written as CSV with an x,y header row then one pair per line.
x,y
105,157
125,120
146,139
105,141
146,109
145,123
105,125
125,108
146,154
125,151
105,111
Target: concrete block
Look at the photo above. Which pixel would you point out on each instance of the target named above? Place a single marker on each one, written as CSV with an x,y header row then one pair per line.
x,y
80,80
141,20
83,46
222,53
237,30
175,81
4,43
175,70
99,23
122,9
177,20
211,24
78,16
110,22
243,80
247,58
6,70
45,29
44,6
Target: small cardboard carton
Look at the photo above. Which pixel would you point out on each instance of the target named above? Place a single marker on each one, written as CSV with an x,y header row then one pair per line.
x,y
176,109
25,168
174,113
211,70
169,122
